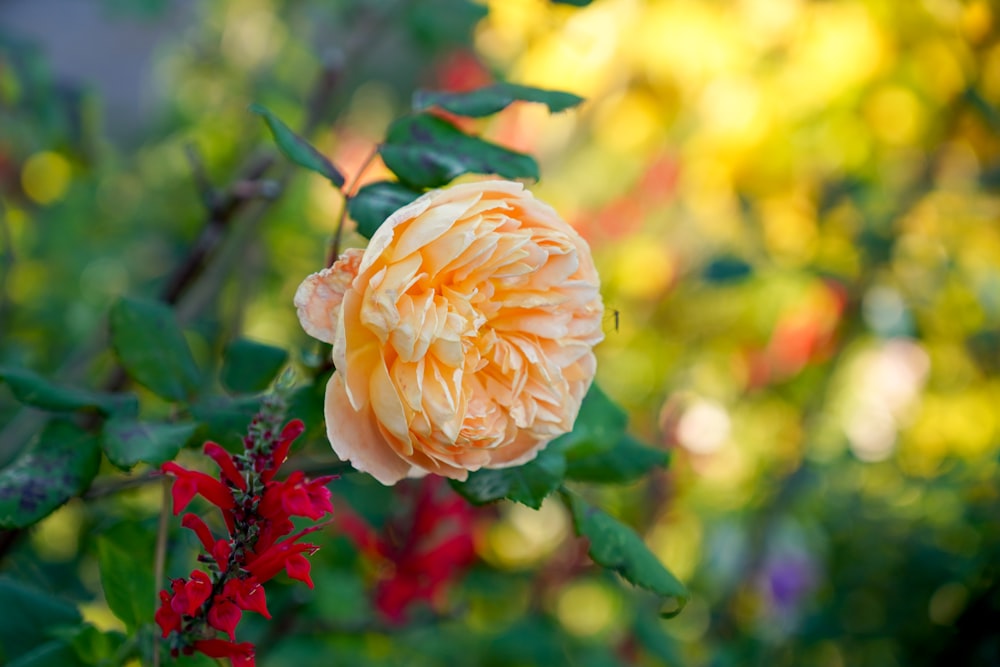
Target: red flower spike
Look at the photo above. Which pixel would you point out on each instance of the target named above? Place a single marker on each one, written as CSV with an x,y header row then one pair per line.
x,y
361,534
292,430
199,607
194,522
436,547
240,655
224,615
226,465
190,482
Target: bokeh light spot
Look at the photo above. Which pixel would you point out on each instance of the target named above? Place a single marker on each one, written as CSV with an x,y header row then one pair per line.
x,y
45,177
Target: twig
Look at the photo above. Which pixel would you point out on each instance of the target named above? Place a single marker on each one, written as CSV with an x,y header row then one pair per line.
x,y
222,209
6,262
349,192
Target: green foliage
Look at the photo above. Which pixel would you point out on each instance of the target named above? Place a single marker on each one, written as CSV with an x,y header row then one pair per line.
x,y
34,390
222,419
442,23
127,582
375,202
650,634
54,653
597,450
249,367
599,425
94,647
491,99
618,548
297,149
151,347
625,461
147,9
425,151
727,269
128,219
30,619
528,484
126,441
59,466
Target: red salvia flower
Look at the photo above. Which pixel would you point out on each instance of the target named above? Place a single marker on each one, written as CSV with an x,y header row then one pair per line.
x,y
257,511
226,465
225,615
168,619
291,431
248,594
422,560
191,483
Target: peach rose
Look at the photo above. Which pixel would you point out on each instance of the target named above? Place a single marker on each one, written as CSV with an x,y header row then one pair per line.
x,y
462,336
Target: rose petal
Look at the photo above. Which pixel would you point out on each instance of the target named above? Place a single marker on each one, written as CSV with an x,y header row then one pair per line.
x,y
355,437
318,298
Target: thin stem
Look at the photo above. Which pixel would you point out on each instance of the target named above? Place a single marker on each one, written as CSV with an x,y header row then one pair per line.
x,y
222,210
349,192
6,261
161,558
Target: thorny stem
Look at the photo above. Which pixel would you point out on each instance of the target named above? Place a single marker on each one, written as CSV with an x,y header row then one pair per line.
x,y
349,192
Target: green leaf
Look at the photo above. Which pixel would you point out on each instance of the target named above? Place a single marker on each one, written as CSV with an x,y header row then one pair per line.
x,y
297,149
494,98
651,636
92,646
224,420
37,612
59,466
129,441
438,26
54,653
574,3
32,389
598,427
249,367
425,151
375,202
527,484
136,9
626,461
727,270
617,547
152,349
127,582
